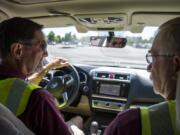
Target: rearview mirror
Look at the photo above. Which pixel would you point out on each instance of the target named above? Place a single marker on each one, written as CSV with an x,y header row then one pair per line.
x,y
114,42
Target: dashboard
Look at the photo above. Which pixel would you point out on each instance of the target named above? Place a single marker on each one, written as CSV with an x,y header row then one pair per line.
x,y
110,90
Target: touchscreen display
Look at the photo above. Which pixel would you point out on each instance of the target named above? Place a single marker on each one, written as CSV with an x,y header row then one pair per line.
x,y
109,89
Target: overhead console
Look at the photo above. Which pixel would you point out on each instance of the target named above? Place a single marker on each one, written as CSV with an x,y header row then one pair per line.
x,y
109,22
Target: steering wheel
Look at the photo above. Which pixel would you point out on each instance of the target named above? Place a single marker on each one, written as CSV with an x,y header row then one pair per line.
x,y
64,87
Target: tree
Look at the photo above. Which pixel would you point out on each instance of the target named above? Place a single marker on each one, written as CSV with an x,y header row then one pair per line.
x,y
51,37
68,37
58,39
74,37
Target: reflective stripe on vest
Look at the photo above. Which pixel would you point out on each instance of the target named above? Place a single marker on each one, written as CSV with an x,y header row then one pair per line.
x,y
15,93
159,119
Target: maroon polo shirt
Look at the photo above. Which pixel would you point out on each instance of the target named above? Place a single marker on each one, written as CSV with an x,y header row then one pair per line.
x,y
127,122
41,114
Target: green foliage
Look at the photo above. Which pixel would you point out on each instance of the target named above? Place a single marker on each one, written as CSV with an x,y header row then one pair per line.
x,y
138,40
51,37
68,37
58,39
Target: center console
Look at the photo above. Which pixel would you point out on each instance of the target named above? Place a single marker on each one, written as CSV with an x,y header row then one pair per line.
x,y
110,91
109,95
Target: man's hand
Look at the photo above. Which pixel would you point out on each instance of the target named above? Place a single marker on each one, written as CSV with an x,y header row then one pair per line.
x,y
78,121
76,130
57,63
75,125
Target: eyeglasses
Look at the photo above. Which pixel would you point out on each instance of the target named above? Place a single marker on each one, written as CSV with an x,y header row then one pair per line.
x,y
149,56
41,45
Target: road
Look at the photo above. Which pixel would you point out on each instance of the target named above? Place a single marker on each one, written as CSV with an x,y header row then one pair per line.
x,y
101,56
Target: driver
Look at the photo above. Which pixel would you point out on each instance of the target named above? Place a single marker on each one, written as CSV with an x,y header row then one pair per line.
x,y
22,47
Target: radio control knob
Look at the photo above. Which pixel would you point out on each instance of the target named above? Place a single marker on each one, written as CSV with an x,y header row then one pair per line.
x,y
95,102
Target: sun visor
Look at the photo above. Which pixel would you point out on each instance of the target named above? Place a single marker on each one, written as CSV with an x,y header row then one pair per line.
x,y
152,19
3,16
59,21
136,28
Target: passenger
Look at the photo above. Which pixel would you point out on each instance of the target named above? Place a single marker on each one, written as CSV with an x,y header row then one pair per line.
x,y
22,47
164,64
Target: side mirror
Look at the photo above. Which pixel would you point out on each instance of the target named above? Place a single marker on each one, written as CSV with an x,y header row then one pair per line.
x,y
113,42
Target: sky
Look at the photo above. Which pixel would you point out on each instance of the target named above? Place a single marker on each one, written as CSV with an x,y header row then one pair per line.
x,y
146,34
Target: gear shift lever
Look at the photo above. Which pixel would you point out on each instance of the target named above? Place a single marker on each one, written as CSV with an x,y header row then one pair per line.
x,y
94,128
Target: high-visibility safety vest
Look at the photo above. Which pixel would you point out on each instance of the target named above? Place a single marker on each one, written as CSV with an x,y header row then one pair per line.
x,y
159,119
15,93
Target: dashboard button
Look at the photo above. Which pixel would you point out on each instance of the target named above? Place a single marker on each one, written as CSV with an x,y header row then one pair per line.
x,y
107,104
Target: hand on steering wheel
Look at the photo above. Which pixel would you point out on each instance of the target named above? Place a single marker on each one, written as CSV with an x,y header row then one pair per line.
x,y
65,87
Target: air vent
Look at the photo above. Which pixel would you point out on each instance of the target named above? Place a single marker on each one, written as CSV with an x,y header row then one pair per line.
x,y
112,77
122,76
102,75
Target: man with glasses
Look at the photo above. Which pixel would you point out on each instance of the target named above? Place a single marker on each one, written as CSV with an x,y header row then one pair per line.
x,y
22,47
164,65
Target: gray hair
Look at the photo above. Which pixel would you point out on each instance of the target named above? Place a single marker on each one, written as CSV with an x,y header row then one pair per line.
x,y
169,36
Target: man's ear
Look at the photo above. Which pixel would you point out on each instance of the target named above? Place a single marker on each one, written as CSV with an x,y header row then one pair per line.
x,y
176,61
16,50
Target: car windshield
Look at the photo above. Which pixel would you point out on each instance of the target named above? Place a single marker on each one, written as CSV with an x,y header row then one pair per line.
x,y
76,47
